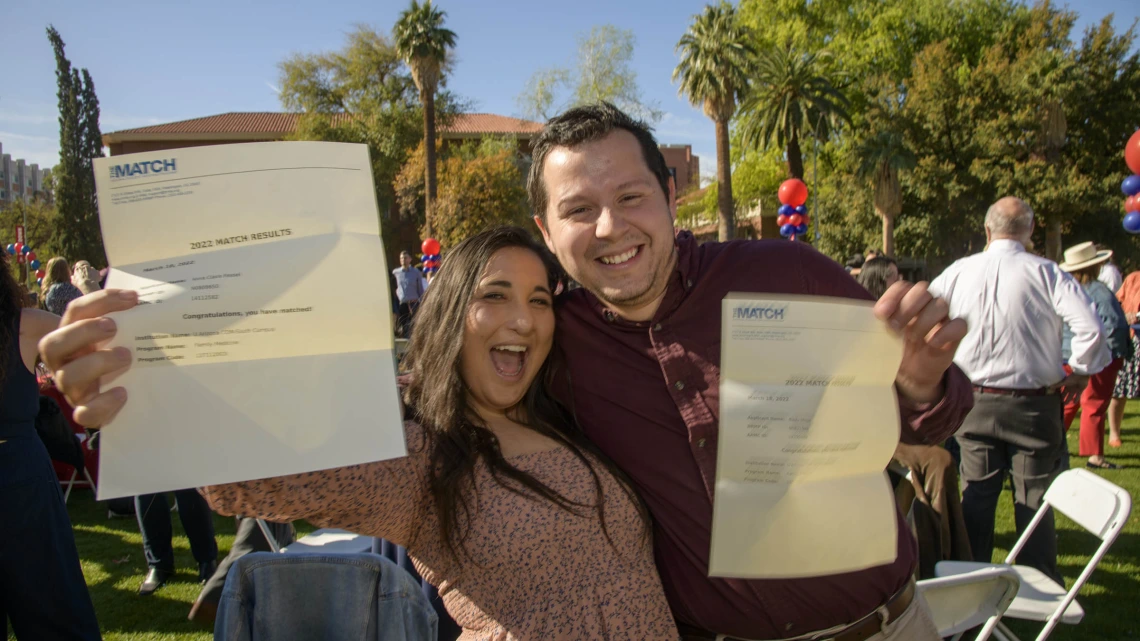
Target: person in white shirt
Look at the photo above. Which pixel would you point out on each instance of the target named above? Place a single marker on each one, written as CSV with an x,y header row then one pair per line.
x,y
1016,304
1109,274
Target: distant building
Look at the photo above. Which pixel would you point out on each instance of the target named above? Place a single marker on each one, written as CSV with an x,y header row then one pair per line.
x,y
236,127
685,167
21,181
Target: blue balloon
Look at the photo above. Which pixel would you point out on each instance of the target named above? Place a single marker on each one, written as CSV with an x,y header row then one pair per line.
x,y
1131,185
11,249
35,264
1132,222
26,250
787,230
801,229
802,210
786,210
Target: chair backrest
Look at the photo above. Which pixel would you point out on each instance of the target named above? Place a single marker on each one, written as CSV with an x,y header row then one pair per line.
x,y
965,601
1096,504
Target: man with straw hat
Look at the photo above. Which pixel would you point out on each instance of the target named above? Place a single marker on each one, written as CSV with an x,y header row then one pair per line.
x,y
1083,262
1016,304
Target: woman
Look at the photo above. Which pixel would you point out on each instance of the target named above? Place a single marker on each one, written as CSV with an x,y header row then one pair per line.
x,y
41,584
1128,380
527,529
878,274
1083,262
57,290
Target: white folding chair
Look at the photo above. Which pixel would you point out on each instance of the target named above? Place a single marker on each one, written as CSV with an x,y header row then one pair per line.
x,y
966,601
1095,504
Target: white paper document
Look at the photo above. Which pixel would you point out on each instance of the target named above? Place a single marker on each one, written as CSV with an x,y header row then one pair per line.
x,y
262,344
809,421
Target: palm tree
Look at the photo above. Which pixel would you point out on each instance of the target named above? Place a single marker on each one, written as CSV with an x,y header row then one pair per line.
x,y
716,60
881,157
791,96
422,41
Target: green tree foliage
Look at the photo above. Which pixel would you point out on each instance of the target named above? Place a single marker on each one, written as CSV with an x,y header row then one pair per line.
x,y
602,71
423,42
40,218
792,96
481,185
77,234
717,59
363,94
992,97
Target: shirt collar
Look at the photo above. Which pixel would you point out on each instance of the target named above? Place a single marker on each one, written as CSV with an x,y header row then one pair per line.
x,y
1006,245
680,283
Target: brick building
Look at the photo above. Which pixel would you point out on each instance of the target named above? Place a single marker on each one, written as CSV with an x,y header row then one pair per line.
x,y
685,167
20,180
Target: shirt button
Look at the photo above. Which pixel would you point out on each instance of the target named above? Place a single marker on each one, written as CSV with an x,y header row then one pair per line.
x,y
679,385
689,283
657,327
700,442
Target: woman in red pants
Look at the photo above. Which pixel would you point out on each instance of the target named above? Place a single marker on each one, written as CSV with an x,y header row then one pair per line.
x,y
1083,262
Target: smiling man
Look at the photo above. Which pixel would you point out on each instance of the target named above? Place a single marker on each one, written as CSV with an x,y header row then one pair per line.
x,y
642,342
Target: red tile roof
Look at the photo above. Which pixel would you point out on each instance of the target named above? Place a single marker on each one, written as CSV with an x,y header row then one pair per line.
x,y
271,124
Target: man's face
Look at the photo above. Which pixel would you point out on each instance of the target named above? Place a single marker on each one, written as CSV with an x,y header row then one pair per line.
x,y
405,260
609,223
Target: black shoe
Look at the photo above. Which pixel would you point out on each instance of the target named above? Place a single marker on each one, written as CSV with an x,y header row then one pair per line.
x,y
1103,465
155,579
206,570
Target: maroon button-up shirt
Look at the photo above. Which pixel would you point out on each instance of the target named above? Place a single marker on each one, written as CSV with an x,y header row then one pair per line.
x,y
647,394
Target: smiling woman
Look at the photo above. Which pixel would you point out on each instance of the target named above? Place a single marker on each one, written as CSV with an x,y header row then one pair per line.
x,y
526,529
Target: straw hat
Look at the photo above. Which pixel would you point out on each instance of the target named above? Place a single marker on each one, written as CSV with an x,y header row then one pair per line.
x,y
1084,255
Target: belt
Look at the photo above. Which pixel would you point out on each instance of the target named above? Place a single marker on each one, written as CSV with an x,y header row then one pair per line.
x,y
863,629
1001,391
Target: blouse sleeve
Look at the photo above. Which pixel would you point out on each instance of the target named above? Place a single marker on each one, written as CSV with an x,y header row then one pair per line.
x,y
385,499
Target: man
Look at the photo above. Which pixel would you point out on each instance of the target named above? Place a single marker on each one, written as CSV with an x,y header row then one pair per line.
x,y
153,512
410,287
642,341
1015,304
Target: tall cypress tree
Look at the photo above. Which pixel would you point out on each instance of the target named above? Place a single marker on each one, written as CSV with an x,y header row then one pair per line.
x,y
77,233
92,148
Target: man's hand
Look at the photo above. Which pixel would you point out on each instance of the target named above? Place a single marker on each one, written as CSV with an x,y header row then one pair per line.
x,y
930,338
1073,386
77,362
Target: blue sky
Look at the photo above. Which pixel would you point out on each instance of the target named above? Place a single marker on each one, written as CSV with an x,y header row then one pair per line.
x,y
157,62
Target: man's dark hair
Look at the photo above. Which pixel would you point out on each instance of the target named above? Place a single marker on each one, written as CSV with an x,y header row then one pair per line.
x,y
585,124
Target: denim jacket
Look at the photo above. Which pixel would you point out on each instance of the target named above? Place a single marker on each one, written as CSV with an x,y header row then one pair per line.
x,y
282,597
1116,331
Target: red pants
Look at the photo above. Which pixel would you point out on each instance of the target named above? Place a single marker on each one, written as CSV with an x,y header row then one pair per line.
x,y
1093,406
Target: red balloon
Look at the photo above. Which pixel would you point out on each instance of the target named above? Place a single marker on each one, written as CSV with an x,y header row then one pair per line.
x,y
793,192
781,220
40,273
430,246
31,256
19,248
795,219
1132,203
1132,152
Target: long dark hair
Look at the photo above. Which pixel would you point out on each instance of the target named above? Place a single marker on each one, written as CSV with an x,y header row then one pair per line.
x,y
12,301
436,396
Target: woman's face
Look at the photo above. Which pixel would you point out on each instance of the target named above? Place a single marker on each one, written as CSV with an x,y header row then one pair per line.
x,y
508,332
892,275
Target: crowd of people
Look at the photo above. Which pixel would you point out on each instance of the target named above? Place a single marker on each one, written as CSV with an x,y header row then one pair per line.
x,y
545,504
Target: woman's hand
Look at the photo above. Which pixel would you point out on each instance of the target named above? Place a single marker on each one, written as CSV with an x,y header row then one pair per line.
x,y
77,362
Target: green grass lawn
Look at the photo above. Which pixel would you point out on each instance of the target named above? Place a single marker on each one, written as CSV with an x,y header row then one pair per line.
x,y
114,565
